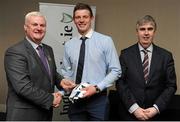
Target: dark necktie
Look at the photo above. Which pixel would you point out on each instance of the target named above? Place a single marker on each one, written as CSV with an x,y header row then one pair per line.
x,y
81,61
146,65
43,58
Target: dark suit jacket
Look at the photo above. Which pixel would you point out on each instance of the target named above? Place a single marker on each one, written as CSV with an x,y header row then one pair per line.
x,y
162,79
29,86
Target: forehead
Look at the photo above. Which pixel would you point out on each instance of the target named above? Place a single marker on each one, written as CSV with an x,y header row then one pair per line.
x,y
146,25
82,12
37,19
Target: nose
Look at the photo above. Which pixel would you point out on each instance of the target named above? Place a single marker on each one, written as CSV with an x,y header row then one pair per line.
x,y
146,32
81,19
39,27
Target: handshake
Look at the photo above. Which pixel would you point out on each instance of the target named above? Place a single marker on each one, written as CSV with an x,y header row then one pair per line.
x,y
67,85
57,99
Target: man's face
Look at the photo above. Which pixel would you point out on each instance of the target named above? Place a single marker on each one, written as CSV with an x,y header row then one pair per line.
x,y
35,28
82,20
146,34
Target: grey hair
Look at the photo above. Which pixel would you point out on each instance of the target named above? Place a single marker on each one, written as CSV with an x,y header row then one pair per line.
x,y
33,13
146,19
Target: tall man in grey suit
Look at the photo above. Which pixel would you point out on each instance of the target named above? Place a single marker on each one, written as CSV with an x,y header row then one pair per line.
x,y
31,82
148,75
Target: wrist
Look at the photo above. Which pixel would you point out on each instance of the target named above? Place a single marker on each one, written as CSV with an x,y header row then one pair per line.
x,y
156,107
97,89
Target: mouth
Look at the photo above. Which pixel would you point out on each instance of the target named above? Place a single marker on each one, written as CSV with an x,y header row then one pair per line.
x,y
38,32
146,38
82,25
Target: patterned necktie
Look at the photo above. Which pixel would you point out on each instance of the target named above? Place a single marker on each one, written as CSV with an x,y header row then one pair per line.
x,y
146,65
81,61
43,58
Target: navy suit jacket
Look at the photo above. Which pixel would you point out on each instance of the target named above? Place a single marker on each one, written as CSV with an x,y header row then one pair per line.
x,y
29,86
161,85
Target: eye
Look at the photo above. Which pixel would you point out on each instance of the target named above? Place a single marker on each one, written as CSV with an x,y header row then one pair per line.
x,y
34,24
43,25
77,17
150,29
85,17
142,29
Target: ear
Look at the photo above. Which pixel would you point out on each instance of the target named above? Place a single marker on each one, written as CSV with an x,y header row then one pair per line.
x,y
92,18
25,27
136,32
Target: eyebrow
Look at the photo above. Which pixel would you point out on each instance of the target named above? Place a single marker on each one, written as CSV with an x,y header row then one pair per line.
x,y
143,28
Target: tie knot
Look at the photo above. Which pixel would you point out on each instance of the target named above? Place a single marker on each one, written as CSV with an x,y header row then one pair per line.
x,y
39,47
145,51
83,38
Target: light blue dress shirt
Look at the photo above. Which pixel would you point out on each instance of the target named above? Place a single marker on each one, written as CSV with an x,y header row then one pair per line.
x,y
101,64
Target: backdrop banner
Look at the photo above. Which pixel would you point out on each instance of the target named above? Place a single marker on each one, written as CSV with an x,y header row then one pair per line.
x,y
60,29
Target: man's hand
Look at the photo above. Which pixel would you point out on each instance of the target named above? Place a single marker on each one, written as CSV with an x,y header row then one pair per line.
x,y
67,85
90,90
57,99
150,112
140,114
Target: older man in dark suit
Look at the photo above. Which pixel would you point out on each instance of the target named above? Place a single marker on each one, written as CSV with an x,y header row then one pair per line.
x,y
31,74
148,75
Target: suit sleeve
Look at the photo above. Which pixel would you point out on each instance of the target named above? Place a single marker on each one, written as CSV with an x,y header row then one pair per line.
x,y
170,84
18,76
122,87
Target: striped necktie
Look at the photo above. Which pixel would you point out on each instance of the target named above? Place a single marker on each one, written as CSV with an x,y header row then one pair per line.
x,y
146,65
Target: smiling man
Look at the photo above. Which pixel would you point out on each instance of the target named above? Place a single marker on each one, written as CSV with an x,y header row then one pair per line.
x,y
90,58
31,75
148,75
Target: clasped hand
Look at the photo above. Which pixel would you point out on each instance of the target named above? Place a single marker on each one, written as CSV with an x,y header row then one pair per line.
x,y
145,114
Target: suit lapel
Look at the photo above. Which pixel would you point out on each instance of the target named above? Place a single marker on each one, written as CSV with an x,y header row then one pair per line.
x,y
138,61
32,51
154,61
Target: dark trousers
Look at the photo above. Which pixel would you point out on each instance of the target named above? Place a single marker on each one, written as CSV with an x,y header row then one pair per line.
x,y
94,108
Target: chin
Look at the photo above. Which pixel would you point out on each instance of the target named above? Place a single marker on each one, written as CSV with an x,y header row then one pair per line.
x,y
39,37
82,30
145,45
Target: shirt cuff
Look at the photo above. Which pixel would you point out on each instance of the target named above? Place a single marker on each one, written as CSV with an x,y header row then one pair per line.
x,y
61,92
134,107
156,107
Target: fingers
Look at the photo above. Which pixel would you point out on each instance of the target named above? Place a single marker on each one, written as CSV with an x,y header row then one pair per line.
x,y
140,115
90,90
151,112
68,85
145,114
57,99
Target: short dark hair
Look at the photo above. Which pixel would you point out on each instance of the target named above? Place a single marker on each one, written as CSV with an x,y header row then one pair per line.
x,y
146,19
81,6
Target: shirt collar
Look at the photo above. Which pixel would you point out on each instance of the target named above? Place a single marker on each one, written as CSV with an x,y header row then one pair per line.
x,y
32,43
88,35
149,49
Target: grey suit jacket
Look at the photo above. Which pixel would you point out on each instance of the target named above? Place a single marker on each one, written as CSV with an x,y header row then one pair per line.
x,y
29,86
162,78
